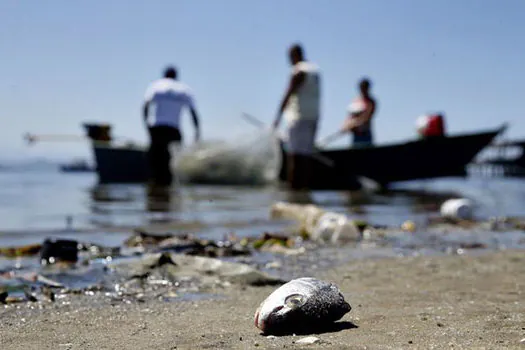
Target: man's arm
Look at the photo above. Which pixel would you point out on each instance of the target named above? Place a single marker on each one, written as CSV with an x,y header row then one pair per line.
x,y
148,97
295,83
195,118
352,123
145,113
194,115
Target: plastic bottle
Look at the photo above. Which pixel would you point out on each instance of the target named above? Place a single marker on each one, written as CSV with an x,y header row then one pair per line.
x,y
303,213
335,227
458,208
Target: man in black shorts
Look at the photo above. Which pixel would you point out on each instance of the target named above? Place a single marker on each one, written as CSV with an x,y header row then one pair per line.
x,y
168,97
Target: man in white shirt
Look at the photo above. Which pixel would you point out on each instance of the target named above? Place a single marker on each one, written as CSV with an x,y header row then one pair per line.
x,y
301,105
166,97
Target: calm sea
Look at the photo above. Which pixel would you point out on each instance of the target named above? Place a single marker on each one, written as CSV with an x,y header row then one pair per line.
x,y
36,200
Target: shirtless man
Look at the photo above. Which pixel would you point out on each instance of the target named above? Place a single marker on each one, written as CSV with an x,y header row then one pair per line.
x,y
301,105
360,113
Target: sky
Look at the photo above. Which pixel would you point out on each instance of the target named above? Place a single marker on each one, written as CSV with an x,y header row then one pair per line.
x,y
67,62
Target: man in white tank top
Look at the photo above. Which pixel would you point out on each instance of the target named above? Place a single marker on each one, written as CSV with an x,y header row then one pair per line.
x,y
301,106
167,97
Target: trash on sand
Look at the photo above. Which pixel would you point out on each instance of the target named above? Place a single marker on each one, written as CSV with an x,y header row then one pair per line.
x,y
27,250
59,250
408,226
458,208
278,243
308,340
207,270
300,306
335,228
318,224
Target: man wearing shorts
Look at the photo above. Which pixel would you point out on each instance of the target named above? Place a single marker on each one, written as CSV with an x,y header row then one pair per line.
x,y
302,106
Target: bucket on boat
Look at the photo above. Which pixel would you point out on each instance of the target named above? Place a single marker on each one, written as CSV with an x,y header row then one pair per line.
x,y
459,208
431,125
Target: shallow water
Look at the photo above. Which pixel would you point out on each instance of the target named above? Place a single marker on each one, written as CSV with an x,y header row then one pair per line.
x,y
35,204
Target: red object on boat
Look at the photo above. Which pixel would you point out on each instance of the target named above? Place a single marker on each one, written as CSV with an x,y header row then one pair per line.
x,y
434,125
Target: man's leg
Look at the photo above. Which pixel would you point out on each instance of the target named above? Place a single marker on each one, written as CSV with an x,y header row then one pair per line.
x,y
153,160
173,136
292,170
164,157
306,161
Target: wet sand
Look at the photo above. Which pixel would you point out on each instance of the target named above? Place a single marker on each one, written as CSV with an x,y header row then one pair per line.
x,y
398,303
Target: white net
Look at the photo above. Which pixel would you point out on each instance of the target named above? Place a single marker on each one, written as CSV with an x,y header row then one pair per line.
x,y
252,159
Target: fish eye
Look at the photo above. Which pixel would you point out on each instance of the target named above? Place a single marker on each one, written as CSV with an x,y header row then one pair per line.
x,y
294,301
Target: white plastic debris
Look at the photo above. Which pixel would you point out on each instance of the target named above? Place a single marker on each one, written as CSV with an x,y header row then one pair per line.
x,y
335,227
458,208
318,223
308,340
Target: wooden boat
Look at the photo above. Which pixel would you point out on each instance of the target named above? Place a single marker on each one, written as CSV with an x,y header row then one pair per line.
x,y
335,169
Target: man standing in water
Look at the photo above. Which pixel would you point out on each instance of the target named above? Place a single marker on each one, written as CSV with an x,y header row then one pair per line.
x,y
360,113
302,104
167,96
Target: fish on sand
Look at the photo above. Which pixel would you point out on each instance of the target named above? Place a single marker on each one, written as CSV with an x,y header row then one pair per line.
x,y
300,306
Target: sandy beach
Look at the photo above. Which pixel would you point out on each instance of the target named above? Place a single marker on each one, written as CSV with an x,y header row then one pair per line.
x,y
398,303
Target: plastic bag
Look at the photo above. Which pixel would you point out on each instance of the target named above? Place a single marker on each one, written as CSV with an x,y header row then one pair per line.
x,y
252,159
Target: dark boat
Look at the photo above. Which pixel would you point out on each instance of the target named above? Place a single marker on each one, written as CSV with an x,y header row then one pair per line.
x,y
337,169
503,158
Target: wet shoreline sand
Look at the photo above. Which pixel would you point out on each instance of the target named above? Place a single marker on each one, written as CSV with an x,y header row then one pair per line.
x,y
399,303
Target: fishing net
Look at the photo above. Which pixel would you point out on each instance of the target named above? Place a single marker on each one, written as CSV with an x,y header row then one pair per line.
x,y
252,159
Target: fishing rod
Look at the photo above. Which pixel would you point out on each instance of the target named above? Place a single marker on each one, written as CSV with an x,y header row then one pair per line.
x,y
33,138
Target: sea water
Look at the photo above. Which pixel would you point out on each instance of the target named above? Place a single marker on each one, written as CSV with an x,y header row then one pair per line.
x,y
40,202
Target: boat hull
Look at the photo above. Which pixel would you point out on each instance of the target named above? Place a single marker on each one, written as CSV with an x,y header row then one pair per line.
x,y
420,159
121,164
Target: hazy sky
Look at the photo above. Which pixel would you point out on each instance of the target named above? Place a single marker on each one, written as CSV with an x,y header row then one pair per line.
x,y
66,62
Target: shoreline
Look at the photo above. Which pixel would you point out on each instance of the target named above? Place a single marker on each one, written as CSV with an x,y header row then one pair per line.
x,y
461,301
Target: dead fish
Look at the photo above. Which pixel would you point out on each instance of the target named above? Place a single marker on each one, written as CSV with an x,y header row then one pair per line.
x,y
301,306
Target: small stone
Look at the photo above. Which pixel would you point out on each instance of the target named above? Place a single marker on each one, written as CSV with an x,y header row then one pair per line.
x,y
240,338
439,324
410,342
308,340
522,341
271,337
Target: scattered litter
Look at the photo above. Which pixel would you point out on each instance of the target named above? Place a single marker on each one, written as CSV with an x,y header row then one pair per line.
x,y
308,340
318,224
458,208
